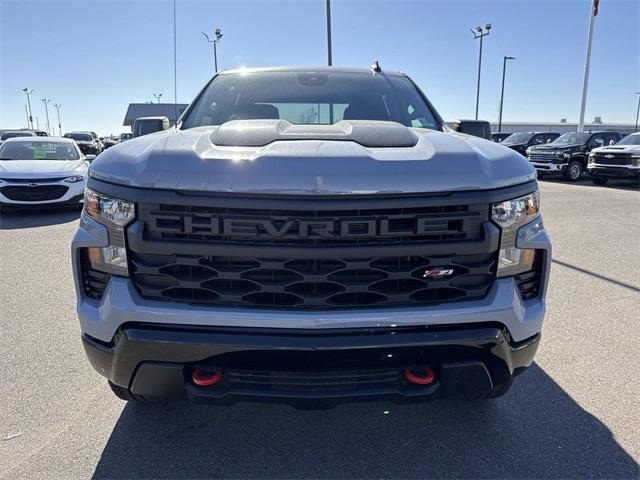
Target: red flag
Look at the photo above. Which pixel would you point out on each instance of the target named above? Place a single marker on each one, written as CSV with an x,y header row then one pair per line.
x,y
595,7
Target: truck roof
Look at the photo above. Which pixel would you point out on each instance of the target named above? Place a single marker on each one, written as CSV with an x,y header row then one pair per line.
x,y
367,71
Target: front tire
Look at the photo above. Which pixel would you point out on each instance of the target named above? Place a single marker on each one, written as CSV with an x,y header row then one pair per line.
x,y
599,180
573,172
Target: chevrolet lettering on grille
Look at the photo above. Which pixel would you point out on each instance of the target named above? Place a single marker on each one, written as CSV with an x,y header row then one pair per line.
x,y
304,228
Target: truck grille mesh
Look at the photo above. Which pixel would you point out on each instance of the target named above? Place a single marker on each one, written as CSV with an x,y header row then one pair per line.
x,y
612,158
321,254
542,156
33,194
314,382
246,281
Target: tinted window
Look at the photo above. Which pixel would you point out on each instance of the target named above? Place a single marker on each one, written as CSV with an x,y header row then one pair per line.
x,y
597,140
81,137
517,138
311,98
572,138
15,134
610,137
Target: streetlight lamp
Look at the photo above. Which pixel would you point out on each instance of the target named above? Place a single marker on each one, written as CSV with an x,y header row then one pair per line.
x,y
46,109
57,105
480,33
218,35
504,68
157,97
28,93
637,112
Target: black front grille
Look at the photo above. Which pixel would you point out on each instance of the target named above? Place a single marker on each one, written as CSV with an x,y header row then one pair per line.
x,y
313,253
342,227
313,382
88,149
612,158
303,283
33,180
33,193
542,156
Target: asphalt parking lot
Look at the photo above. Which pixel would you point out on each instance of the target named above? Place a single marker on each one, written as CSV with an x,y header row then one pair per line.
x,y
574,414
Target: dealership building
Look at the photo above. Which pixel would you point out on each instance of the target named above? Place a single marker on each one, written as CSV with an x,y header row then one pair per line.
x,y
562,127
169,110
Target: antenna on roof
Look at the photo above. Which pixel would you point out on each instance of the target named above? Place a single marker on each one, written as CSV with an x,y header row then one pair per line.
x,y
375,66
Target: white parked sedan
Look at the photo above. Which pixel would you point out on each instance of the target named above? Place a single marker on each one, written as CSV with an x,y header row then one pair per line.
x,y
42,171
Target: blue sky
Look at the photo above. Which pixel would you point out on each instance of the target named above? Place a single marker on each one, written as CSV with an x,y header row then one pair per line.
x,y
96,56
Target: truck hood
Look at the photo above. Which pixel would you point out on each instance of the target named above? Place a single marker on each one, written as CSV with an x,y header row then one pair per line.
x,y
41,168
274,156
617,149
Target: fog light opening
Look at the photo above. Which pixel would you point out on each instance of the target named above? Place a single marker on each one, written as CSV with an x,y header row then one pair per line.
x,y
207,379
420,376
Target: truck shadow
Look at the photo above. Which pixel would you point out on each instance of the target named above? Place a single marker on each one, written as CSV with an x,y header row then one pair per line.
x,y
536,431
40,217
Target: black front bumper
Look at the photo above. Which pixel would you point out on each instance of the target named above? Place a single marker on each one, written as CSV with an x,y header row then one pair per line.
x,y
613,172
325,366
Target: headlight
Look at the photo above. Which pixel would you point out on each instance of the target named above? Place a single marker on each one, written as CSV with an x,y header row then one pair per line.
x,y
115,214
510,216
74,179
635,159
108,209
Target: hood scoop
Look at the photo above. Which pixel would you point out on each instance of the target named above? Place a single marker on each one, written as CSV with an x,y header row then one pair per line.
x,y
258,133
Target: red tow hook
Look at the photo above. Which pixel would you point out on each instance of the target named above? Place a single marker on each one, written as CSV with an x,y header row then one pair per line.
x,y
205,379
421,376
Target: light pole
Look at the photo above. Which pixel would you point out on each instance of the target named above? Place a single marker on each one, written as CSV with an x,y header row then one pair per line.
x,y
329,53
26,111
46,110
504,68
480,33
218,35
57,105
157,97
28,94
637,112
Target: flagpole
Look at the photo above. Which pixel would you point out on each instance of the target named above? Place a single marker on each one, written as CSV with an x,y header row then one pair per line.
x,y
587,63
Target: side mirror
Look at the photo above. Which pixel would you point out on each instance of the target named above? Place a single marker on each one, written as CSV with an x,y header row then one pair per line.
x,y
89,158
548,140
477,128
147,125
612,142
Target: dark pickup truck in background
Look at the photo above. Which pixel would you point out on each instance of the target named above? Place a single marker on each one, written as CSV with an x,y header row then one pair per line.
x,y
568,153
522,140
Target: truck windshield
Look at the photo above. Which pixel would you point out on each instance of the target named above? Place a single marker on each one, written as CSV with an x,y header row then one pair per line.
x,y
517,138
308,97
633,139
571,138
80,137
